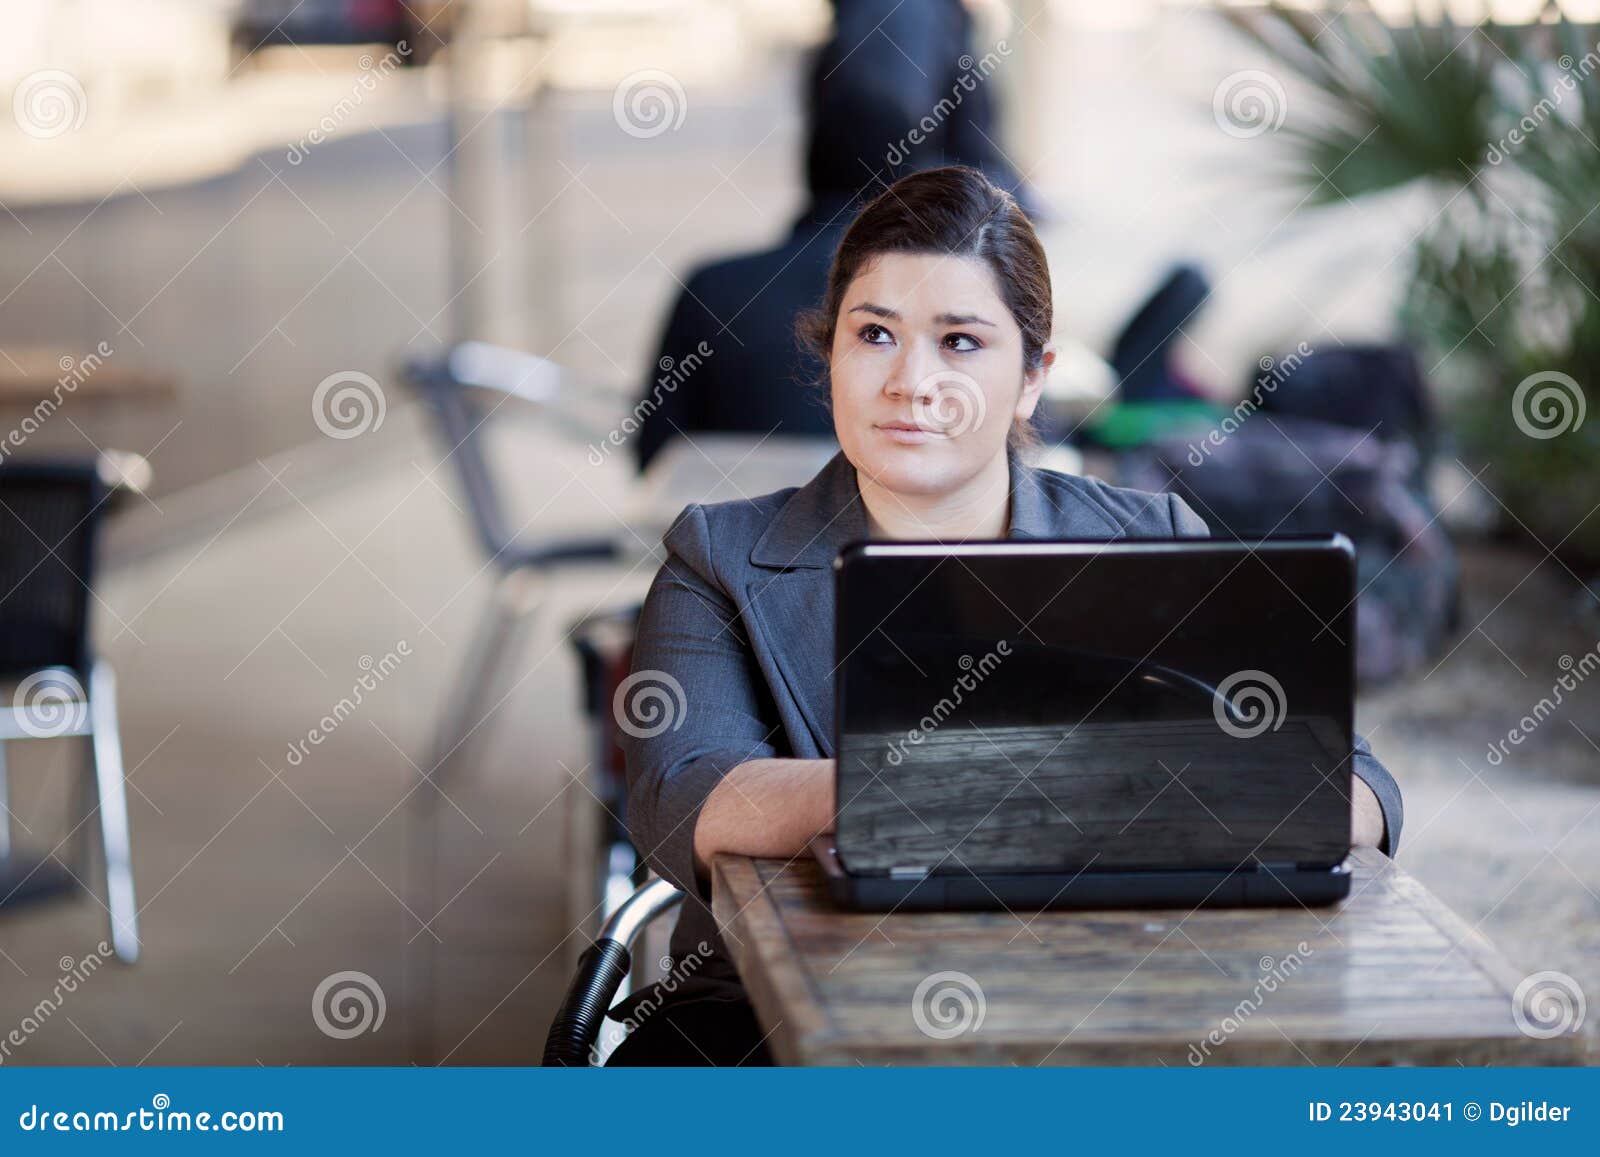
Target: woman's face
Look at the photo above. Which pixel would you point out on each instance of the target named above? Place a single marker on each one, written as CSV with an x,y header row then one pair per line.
x,y
926,372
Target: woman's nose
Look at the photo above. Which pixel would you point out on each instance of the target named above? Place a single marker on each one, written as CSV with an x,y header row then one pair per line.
x,y
908,369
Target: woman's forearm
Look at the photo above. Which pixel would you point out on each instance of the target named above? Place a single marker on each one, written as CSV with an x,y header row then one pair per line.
x,y
765,807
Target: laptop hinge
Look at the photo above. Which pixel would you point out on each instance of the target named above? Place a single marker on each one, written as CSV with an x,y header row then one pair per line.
x,y
1278,865
914,872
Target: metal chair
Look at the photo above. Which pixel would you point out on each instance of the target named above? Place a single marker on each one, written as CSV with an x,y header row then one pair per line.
x,y
601,971
49,517
451,384
447,383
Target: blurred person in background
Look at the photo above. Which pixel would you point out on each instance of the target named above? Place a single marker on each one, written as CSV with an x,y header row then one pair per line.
x,y
871,87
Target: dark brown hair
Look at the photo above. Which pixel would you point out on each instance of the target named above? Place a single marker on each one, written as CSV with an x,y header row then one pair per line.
x,y
953,210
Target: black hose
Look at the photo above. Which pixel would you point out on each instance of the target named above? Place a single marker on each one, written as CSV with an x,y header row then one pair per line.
x,y
601,970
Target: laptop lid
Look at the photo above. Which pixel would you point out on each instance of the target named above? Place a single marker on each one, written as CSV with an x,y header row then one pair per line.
x,y
1074,705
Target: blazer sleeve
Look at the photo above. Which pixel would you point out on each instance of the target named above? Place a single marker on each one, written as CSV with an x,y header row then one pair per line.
x,y
1383,785
696,705
1187,524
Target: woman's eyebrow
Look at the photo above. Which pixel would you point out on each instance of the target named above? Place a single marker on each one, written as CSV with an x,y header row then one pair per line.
x,y
943,318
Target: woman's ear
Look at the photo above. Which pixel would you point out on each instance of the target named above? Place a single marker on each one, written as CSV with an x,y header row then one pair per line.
x,y
1033,382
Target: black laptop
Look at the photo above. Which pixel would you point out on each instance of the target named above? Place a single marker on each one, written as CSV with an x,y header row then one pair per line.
x,y
1076,724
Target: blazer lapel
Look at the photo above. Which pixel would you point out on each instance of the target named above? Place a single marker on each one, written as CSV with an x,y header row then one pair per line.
x,y
789,604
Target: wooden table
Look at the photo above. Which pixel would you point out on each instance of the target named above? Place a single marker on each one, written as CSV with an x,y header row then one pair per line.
x,y
1388,976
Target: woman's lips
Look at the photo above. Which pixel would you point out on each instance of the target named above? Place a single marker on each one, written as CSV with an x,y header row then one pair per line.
x,y
907,433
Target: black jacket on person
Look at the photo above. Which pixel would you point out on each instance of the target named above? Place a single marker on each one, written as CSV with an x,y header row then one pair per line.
x,y
890,71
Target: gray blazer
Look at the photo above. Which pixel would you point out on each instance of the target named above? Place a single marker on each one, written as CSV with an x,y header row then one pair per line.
x,y
740,618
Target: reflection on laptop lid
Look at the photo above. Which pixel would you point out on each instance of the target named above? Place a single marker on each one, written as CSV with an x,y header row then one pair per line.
x,y
1066,706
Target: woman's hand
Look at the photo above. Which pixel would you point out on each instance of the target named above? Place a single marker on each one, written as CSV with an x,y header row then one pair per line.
x,y
1366,815
765,807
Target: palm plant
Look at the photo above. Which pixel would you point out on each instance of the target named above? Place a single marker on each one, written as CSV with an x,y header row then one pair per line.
x,y
1503,125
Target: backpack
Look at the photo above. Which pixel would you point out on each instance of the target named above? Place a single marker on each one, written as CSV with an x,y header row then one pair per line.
x,y
1279,475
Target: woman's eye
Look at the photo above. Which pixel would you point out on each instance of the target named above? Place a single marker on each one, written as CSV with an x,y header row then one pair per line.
x,y
954,340
876,335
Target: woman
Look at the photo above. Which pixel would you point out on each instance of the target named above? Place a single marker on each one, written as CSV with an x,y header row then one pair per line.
x,y
935,330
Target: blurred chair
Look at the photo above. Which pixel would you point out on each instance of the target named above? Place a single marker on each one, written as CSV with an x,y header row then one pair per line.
x,y
49,517
601,971
450,384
